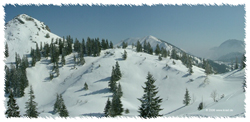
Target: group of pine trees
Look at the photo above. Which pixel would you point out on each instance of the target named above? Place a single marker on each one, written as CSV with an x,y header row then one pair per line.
x,y
30,106
15,77
114,107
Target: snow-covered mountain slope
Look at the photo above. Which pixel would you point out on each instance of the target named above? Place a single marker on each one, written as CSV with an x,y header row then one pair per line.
x,y
228,50
23,32
172,82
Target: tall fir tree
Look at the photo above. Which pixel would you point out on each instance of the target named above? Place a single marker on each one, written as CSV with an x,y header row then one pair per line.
x,y
107,107
187,98
150,104
117,72
12,110
116,108
31,105
63,112
112,82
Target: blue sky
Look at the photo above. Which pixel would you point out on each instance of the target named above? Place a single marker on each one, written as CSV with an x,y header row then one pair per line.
x,y
192,28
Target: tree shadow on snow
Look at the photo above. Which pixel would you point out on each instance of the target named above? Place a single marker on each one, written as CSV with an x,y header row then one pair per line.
x,y
94,114
82,89
119,59
103,80
175,110
101,91
186,75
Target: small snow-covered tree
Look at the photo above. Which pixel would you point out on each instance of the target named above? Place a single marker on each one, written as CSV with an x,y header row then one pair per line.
x,y
150,104
187,98
124,56
85,86
12,110
200,106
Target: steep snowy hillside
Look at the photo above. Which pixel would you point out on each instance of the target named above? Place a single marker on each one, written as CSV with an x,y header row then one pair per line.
x,y
171,80
23,32
228,51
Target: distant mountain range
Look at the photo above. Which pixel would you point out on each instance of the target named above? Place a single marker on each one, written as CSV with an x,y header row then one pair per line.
x,y
228,51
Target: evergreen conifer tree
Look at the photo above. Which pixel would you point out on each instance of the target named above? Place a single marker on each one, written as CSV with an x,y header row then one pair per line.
x,y
7,78
119,90
138,47
112,82
150,104
85,86
124,56
111,45
157,50
150,49
107,107
116,105
6,52
12,110
31,106
187,98
63,112
243,60
57,104
117,72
